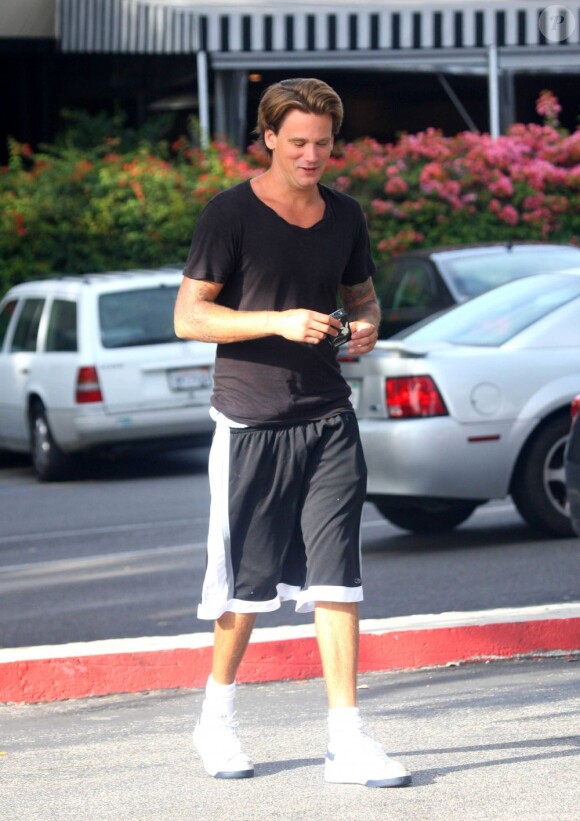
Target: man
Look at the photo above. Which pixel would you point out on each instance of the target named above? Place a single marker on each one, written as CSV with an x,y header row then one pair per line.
x,y
287,475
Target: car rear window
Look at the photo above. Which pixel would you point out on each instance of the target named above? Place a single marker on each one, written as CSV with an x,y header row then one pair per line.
x,y
137,317
474,274
498,315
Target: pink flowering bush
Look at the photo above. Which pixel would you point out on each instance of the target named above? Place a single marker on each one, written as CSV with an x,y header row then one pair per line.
x,y
427,189
118,205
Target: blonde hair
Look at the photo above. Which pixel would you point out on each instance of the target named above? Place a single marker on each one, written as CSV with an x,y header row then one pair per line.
x,y
309,95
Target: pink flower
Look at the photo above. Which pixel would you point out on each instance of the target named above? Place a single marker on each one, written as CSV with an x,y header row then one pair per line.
x,y
342,183
381,207
502,187
548,107
432,171
361,172
509,214
401,241
393,170
396,185
533,202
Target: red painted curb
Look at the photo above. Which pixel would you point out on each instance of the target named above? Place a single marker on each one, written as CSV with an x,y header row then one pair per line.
x,y
51,679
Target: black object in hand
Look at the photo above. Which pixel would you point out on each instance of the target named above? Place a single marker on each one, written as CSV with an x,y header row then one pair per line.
x,y
344,333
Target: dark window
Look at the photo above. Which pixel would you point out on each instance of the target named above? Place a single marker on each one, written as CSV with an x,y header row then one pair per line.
x,y
542,40
331,32
289,31
139,317
479,29
5,317
521,28
61,335
203,32
225,33
246,33
500,28
352,31
396,30
311,32
27,326
415,287
437,29
417,20
268,33
458,28
408,293
374,31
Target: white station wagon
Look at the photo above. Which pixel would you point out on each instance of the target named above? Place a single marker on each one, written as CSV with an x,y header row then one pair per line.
x,y
91,361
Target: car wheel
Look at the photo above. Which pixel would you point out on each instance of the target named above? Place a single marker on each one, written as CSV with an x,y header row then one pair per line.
x,y
48,460
539,486
433,516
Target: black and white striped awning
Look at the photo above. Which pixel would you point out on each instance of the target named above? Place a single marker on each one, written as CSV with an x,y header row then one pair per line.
x,y
236,33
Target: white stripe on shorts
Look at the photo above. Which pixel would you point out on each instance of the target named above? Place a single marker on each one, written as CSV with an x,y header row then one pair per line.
x,y
216,595
217,592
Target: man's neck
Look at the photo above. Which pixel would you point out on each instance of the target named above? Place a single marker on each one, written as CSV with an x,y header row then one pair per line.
x,y
270,186
302,207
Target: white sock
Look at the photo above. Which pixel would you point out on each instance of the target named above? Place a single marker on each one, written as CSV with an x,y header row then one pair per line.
x,y
219,699
343,723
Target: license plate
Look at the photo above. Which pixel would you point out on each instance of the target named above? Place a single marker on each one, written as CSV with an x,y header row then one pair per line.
x,y
189,379
355,387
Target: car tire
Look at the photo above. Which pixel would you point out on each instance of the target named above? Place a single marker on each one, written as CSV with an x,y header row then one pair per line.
x,y
436,516
48,460
539,486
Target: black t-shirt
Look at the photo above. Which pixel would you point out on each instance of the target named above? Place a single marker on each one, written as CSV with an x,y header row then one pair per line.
x,y
266,263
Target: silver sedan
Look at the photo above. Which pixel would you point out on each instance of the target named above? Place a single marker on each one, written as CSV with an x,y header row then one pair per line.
x,y
473,405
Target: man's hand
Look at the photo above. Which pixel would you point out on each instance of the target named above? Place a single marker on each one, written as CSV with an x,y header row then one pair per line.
x,y
364,337
302,325
364,314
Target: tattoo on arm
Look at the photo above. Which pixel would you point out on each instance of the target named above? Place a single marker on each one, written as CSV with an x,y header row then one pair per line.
x,y
360,301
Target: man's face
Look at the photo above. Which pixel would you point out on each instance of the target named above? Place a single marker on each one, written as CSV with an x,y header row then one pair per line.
x,y
301,148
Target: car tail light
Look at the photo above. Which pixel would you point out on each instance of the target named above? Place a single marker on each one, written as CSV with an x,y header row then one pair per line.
x,y
88,388
409,397
575,409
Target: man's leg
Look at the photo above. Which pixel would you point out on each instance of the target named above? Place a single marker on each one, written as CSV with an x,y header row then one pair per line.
x,y
231,636
352,757
215,734
337,633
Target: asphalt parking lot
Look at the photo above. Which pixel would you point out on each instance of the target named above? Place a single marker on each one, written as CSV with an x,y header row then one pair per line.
x,y
484,741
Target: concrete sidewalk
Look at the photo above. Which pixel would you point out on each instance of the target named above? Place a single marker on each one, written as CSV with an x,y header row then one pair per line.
x,y
495,740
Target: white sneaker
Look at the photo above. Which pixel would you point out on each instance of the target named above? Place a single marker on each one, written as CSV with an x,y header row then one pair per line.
x,y
363,761
219,747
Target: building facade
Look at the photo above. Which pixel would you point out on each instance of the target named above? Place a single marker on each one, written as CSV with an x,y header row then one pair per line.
x,y
397,65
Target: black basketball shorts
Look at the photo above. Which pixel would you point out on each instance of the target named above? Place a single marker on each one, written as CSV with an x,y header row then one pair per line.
x,y
285,515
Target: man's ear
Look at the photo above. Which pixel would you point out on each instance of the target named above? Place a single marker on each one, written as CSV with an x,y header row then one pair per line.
x,y
270,139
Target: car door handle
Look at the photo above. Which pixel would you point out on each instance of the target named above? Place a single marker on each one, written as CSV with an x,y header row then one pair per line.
x,y
25,371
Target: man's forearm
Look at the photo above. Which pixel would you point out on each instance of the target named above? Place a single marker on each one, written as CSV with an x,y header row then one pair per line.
x,y
210,322
368,312
360,303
